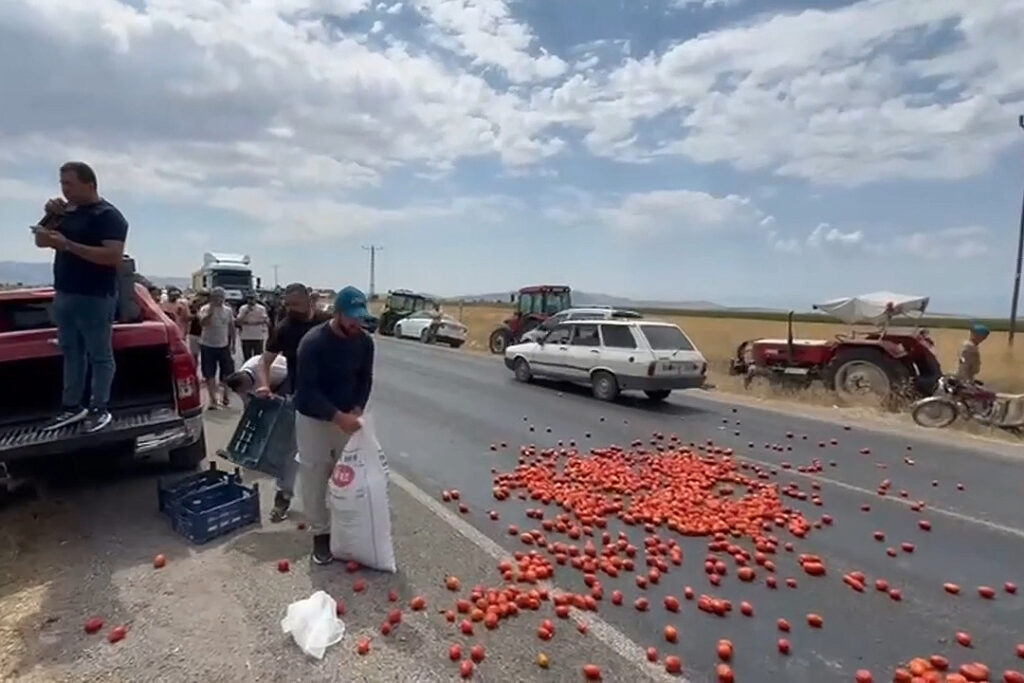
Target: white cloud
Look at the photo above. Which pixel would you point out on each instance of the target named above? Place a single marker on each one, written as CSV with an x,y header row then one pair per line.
x,y
485,31
952,244
677,211
825,235
835,96
705,4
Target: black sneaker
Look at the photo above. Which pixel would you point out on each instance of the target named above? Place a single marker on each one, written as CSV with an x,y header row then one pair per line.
x,y
281,504
97,419
322,549
67,416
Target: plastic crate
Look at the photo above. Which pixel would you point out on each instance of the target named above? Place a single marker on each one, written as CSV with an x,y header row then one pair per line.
x,y
209,504
169,491
264,438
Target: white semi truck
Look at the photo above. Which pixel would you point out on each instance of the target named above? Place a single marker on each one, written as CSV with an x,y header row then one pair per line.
x,y
229,271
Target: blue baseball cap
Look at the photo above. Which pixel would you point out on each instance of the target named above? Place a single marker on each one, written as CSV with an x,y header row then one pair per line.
x,y
980,330
351,303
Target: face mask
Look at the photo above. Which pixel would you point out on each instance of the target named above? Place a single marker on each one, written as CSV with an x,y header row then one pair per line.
x,y
298,316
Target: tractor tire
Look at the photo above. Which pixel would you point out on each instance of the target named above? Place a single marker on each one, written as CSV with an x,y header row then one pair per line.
x,y
499,340
657,395
604,386
857,372
522,371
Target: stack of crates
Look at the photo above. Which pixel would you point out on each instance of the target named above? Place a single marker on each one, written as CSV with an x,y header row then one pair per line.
x,y
264,439
209,504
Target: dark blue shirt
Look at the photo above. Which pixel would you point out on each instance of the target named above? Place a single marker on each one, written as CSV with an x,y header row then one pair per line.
x,y
334,373
90,225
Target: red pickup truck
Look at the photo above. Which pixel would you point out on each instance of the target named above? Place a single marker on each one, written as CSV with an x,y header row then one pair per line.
x,y
155,397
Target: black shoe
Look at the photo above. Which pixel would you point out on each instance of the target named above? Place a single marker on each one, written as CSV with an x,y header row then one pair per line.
x,y
322,549
97,419
281,505
67,416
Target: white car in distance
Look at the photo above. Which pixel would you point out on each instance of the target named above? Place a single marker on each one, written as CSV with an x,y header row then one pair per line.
x,y
580,313
430,327
612,356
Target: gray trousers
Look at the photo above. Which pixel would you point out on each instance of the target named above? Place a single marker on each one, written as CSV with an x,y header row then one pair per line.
x,y
320,444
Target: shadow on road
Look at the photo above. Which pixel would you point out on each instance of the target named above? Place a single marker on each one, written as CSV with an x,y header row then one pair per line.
x,y
633,401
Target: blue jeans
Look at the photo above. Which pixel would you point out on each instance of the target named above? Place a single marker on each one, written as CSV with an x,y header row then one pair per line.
x,y
84,329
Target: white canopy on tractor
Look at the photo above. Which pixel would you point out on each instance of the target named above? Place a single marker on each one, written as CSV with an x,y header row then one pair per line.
x,y
875,308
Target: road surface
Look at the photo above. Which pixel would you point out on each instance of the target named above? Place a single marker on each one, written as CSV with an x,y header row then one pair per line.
x,y
85,548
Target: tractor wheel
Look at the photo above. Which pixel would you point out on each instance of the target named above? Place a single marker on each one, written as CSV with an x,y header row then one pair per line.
x,y
857,373
521,368
500,340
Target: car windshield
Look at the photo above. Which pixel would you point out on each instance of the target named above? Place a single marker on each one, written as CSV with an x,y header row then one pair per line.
x,y
666,338
232,279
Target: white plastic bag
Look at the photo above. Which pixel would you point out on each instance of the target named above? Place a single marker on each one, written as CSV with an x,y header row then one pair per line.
x,y
357,498
314,623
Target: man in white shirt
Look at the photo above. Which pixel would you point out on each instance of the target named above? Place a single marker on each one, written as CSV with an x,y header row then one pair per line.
x,y
254,327
216,342
246,379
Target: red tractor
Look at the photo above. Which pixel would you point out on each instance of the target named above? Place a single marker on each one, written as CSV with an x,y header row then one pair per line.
x,y
534,305
892,364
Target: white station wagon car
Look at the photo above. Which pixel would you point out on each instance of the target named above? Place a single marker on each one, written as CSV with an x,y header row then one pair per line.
x,y
581,313
431,326
613,356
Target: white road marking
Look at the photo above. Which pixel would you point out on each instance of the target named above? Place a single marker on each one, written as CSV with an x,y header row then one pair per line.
x,y
611,637
906,502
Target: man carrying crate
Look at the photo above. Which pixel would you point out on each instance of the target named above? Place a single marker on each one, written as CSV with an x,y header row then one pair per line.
x,y
300,317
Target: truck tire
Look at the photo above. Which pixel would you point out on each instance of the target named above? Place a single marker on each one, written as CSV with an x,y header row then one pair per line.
x,y
857,371
187,458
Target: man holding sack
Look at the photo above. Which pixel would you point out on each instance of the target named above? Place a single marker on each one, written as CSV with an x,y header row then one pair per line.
x,y
334,376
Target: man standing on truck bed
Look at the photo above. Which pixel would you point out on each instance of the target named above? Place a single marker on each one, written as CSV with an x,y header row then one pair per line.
x,y
87,234
300,318
333,383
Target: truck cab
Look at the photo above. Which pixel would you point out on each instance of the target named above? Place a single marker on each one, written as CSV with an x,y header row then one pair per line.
x,y
228,271
155,398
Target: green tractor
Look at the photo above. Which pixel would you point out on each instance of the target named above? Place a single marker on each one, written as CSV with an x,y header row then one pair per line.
x,y
401,303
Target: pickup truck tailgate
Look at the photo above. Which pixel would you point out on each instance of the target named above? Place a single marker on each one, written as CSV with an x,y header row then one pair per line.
x,y
28,440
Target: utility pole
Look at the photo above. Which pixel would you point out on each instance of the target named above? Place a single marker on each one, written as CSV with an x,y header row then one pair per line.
x,y
1020,258
275,267
373,249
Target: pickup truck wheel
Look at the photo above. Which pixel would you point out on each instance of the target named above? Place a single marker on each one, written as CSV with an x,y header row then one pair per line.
x,y
605,386
187,458
658,394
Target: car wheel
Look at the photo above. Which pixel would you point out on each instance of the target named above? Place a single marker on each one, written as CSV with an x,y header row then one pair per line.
x,y
522,370
658,394
604,385
187,458
398,331
425,335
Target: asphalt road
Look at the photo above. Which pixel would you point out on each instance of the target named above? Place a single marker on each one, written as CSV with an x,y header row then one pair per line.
x,y
85,548
439,411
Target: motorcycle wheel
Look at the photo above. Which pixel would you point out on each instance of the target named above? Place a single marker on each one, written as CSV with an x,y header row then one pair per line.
x,y
935,414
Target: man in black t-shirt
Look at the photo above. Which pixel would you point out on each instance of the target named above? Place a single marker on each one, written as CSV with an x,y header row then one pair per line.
x,y
300,317
87,234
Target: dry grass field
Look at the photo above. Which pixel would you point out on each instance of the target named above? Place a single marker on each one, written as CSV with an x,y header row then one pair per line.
x,y
717,338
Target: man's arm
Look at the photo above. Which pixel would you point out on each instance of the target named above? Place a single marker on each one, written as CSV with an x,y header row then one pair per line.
x,y
113,230
364,380
263,370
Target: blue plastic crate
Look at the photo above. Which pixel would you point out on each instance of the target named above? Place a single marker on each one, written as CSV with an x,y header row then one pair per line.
x,y
264,438
214,511
168,491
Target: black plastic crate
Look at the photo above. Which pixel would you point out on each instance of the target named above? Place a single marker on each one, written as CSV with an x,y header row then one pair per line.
x,y
215,511
169,491
264,438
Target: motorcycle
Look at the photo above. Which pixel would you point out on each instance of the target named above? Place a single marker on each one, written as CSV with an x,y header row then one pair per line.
x,y
968,401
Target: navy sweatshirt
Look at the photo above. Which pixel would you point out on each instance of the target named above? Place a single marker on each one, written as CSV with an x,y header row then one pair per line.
x,y
334,373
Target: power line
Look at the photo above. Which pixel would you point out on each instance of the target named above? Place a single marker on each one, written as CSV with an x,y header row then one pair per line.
x,y
1020,258
373,249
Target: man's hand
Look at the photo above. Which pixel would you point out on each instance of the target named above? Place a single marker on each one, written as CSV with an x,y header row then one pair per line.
x,y
53,240
357,411
55,206
347,422
263,391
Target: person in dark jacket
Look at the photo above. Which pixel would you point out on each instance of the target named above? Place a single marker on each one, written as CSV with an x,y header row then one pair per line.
x,y
333,381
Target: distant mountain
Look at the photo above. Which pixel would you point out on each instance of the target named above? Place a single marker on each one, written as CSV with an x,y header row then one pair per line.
x,y
36,274
594,299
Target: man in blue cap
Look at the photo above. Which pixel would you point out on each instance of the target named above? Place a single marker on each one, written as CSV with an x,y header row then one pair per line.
x,y
332,385
970,356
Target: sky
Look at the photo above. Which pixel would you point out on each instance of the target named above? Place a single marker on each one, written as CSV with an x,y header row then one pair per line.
x,y
748,152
